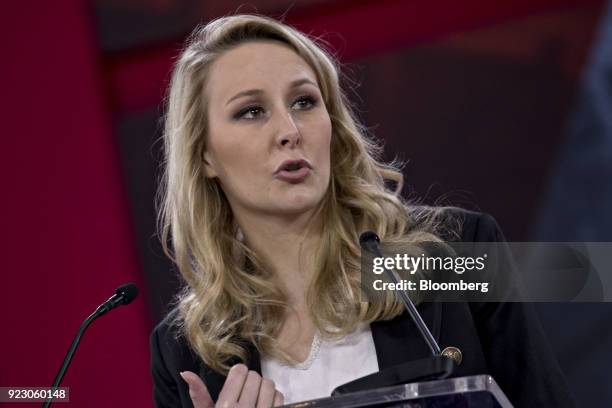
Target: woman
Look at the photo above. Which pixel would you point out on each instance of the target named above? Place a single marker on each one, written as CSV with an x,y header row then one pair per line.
x,y
269,182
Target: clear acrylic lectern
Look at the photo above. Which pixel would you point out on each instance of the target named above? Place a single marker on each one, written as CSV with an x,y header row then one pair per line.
x,y
479,391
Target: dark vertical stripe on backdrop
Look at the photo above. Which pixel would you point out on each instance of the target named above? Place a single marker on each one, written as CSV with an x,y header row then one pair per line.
x,y
578,207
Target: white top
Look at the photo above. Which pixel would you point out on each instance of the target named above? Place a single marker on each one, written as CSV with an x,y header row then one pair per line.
x,y
329,364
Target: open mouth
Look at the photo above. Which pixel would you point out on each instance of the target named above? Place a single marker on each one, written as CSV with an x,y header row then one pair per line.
x,y
293,171
293,166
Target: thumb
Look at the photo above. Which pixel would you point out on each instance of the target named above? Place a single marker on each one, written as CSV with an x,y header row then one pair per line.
x,y
197,390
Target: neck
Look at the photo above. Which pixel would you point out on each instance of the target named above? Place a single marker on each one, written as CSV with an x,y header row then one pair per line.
x,y
287,245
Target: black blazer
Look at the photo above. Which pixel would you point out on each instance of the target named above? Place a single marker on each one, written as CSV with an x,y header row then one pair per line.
x,y
504,340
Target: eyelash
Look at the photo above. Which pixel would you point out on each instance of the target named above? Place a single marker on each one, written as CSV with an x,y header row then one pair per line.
x,y
305,98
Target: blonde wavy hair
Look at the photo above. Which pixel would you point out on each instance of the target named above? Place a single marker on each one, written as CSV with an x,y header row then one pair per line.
x,y
231,298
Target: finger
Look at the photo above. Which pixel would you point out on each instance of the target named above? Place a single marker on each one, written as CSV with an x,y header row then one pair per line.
x,y
266,393
197,390
279,399
228,397
250,390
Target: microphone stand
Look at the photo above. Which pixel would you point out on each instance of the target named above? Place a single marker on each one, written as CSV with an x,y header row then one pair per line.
x,y
123,296
370,242
438,366
70,353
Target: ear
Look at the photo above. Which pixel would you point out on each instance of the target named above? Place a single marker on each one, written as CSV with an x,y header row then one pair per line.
x,y
209,165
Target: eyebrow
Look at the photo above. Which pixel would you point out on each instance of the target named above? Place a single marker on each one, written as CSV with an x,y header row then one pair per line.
x,y
251,92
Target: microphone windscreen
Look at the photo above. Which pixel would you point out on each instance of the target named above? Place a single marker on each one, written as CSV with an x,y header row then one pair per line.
x,y
128,292
368,237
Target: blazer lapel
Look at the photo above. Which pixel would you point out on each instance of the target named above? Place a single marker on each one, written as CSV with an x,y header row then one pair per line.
x,y
398,340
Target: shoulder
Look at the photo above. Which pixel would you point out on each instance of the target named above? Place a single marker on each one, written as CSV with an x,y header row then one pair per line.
x,y
170,355
168,324
460,224
478,226
169,346
167,330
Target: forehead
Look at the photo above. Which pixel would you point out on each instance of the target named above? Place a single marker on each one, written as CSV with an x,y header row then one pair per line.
x,y
256,64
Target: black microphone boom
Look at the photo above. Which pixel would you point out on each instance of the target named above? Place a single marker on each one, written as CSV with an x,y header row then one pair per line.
x,y
370,241
438,366
124,295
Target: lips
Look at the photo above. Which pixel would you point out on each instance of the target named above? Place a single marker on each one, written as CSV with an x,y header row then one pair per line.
x,y
292,165
293,171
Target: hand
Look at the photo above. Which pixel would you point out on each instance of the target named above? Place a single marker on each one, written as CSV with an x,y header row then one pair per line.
x,y
242,388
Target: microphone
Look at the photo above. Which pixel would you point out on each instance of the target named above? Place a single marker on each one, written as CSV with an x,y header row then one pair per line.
x,y
124,295
370,241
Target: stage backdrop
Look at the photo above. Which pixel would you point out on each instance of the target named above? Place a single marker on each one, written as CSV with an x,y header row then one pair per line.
x,y
451,87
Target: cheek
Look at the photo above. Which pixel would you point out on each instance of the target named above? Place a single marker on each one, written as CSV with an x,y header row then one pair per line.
x,y
320,128
325,139
235,164
321,149
240,170
232,155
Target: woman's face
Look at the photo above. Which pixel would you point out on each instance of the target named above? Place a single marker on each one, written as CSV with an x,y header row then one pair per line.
x,y
269,131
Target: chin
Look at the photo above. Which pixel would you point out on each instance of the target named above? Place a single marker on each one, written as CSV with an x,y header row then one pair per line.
x,y
299,203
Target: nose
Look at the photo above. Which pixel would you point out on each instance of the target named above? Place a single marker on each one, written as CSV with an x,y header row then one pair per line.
x,y
288,133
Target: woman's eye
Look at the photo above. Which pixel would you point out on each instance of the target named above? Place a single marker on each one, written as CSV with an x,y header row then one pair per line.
x,y
304,102
251,112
